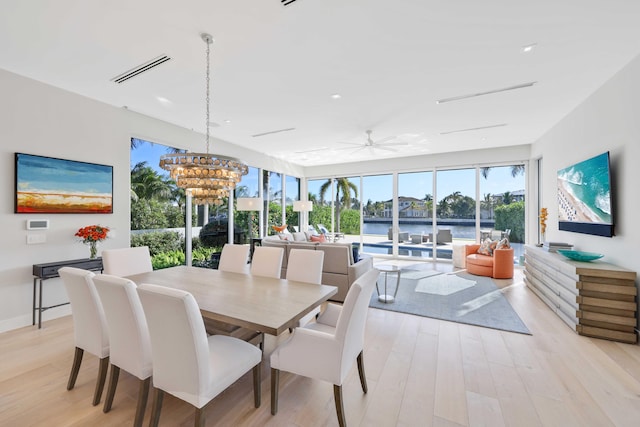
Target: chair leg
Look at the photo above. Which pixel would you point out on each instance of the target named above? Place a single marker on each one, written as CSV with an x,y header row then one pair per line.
x,y
337,395
156,407
363,378
102,378
200,417
75,367
143,394
275,382
257,380
111,390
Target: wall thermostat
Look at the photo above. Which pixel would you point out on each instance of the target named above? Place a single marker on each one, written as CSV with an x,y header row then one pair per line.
x,y
37,224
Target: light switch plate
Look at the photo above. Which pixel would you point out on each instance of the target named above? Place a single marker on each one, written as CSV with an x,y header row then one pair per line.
x,y
34,239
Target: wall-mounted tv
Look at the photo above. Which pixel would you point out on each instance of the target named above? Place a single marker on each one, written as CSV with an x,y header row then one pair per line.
x,y
584,197
50,185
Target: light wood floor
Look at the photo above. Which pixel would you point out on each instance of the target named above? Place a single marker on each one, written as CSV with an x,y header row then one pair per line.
x,y
421,372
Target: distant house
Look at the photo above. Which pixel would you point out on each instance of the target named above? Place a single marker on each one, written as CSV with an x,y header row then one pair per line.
x,y
408,207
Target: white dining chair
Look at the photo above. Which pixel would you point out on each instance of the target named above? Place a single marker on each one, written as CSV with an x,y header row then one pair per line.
x,y
126,261
130,345
327,348
267,261
186,363
234,258
306,266
89,325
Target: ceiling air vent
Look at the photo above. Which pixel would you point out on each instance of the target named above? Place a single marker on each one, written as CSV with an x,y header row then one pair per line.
x,y
140,69
286,2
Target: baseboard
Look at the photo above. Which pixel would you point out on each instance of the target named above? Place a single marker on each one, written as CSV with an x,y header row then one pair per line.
x,y
26,319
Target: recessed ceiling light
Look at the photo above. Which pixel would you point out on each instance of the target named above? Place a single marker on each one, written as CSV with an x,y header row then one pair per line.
x,y
227,121
336,96
528,48
163,100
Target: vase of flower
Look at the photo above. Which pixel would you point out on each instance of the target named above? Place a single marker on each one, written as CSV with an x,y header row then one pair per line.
x,y
93,247
91,235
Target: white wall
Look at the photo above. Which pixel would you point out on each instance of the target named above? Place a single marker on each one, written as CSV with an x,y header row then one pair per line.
x,y
606,121
39,119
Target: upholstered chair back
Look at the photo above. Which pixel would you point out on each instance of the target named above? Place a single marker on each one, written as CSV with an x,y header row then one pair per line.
x,y
128,331
179,343
305,266
267,261
89,322
126,261
234,258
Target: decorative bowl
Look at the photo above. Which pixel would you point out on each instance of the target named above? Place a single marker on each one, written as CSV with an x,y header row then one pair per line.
x,y
579,255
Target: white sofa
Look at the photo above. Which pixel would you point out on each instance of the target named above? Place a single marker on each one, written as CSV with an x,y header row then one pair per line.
x,y
339,268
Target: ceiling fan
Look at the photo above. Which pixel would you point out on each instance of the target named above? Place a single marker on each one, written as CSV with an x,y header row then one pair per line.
x,y
381,144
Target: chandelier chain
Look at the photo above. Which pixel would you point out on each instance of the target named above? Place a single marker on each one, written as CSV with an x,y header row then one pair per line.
x,y
208,99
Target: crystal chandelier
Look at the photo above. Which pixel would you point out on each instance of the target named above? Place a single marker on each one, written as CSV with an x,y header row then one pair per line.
x,y
208,178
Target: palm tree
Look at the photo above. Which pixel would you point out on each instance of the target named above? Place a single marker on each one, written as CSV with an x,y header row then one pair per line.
x,y
507,198
344,187
515,171
146,183
487,204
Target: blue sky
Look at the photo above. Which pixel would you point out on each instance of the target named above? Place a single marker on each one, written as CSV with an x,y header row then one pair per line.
x,y
378,188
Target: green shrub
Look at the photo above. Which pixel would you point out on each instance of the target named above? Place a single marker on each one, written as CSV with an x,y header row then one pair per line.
x,y
159,242
511,216
168,259
350,221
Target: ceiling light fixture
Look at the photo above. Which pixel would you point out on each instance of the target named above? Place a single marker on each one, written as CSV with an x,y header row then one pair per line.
x,y
489,92
207,177
528,48
472,129
336,96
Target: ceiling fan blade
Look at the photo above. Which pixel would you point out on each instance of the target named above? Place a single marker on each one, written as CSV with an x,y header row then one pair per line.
x,y
389,144
389,138
358,149
377,147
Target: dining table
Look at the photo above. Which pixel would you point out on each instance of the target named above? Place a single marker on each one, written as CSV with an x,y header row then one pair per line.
x,y
258,303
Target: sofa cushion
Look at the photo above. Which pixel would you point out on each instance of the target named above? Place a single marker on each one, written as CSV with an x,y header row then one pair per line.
x,y
503,244
299,236
337,257
486,247
478,259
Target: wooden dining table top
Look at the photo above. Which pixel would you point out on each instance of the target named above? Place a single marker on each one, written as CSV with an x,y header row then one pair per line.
x,y
259,303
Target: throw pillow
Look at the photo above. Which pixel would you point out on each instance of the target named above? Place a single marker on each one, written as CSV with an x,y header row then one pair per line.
x,y
503,244
319,238
283,237
485,247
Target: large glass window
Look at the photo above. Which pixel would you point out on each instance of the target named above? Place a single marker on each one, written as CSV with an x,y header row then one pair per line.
x,y
415,213
272,193
377,197
292,189
455,210
502,204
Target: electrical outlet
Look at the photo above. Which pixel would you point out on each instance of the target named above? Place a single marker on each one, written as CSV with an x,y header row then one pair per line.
x,y
34,239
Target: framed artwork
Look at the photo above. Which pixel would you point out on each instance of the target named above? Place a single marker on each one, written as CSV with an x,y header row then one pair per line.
x,y
50,185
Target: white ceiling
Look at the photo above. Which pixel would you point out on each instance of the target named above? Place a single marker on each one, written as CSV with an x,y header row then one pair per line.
x,y
275,67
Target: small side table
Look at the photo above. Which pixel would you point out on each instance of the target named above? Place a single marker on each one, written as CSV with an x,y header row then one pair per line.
x,y
459,259
255,241
386,269
42,272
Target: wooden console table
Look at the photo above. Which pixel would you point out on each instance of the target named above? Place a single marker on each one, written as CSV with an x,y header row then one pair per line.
x,y
595,298
42,272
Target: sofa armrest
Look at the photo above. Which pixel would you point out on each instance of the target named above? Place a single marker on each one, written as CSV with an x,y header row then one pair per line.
x,y
359,268
471,249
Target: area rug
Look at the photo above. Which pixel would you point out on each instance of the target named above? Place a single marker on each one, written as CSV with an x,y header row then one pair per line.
x,y
461,297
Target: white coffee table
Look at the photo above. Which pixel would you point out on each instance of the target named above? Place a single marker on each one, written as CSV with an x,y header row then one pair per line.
x,y
386,269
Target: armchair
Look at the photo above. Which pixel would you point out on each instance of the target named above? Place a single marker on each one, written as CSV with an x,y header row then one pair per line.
x,y
498,266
